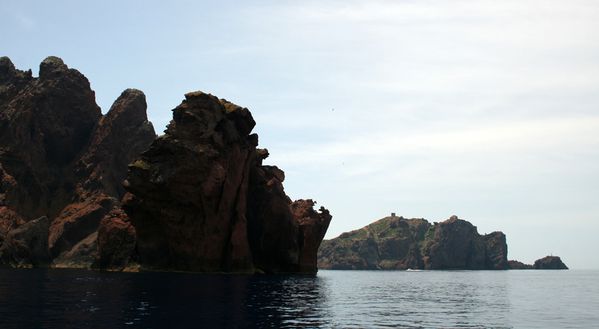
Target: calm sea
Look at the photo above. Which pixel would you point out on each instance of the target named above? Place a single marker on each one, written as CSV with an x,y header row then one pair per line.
x,y
332,299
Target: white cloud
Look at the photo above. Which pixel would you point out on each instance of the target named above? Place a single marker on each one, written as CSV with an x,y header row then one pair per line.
x,y
500,139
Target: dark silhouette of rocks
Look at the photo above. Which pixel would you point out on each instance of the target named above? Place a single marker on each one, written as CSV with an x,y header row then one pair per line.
x,y
62,159
545,263
550,263
196,199
27,245
517,265
201,200
116,241
397,243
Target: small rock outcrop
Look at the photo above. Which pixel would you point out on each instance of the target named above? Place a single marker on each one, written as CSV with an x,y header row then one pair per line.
x,y
116,241
550,263
517,265
545,263
201,200
397,243
62,160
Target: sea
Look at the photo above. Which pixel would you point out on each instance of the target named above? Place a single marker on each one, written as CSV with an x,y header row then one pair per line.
x,y
66,298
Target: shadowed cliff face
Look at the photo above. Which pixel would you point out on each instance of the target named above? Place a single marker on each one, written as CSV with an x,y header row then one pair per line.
x,y
201,200
62,159
400,243
44,124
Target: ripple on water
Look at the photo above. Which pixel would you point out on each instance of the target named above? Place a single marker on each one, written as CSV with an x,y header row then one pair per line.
x,y
333,299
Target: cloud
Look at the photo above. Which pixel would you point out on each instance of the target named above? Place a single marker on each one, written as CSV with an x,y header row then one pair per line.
x,y
491,140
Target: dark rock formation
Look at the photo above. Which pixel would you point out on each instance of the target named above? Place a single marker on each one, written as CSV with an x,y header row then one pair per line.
x,y
116,241
400,243
312,228
495,251
545,263
550,263
27,245
201,200
62,159
456,244
517,265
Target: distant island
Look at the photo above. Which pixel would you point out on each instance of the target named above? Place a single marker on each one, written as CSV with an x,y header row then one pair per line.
x,y
87,190
398,243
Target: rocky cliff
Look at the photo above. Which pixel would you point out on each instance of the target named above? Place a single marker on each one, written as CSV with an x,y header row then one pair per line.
x,y
61,162
199,198
397,243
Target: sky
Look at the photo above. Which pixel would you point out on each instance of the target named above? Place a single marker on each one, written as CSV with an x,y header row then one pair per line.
x,y
485,109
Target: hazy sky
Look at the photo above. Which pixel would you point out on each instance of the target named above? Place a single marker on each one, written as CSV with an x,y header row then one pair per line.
x,y
484,109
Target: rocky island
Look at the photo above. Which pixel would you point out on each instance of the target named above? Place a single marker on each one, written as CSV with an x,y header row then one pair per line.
x,y
545,263
398,243
83,189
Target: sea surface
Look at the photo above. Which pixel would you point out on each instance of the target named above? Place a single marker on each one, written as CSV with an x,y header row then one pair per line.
x,y
332,299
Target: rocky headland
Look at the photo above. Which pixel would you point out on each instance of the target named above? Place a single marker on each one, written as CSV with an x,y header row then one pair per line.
x,y
545,263
83,189
398,243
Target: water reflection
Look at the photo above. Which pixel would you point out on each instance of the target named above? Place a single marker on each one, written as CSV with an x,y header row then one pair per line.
x,y
75,299
333,299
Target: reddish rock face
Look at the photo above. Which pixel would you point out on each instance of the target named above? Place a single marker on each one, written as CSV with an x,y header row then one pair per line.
x,y
202,201
27,245
60,157
273,231
312,226
116,241
77,221
190,189
200,198
43,127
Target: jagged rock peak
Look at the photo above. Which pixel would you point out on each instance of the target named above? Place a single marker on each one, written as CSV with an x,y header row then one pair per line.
x,y
7,68
130,106
62,159
12,80
51,67
198,101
